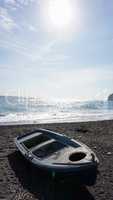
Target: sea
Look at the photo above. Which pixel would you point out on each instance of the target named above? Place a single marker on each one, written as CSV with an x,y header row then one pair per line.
x,y
28,110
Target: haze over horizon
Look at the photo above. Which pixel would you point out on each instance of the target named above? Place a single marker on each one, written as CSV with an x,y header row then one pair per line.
x,y
59,49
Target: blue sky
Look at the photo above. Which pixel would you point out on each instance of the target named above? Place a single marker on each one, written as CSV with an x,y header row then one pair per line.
x,y
37,59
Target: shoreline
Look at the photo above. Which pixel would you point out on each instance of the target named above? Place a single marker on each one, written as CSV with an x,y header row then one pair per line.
x,y
16,178
2,124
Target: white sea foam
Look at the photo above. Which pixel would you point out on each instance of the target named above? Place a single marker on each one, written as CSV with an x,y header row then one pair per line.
x,y
18,111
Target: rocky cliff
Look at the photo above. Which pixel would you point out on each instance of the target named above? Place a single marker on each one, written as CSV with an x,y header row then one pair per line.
x,y
110,97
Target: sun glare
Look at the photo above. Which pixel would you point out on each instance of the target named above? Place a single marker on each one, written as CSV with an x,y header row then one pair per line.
x,y
59,16
60,13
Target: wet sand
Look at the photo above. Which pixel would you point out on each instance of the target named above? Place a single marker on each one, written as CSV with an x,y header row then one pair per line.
x,y
18,180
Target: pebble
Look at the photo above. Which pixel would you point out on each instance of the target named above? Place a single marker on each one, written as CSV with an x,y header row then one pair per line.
x,y
109,153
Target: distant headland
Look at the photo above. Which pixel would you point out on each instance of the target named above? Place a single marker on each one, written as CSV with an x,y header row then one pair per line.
x,y
110,97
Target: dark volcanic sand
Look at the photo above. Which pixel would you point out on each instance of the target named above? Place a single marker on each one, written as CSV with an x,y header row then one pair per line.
x,y
19,181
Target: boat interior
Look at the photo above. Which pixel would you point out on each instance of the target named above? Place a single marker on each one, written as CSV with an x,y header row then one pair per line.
x,y
45,147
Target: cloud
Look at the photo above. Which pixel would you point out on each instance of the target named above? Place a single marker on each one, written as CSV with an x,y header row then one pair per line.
x,y
34,54
79,78
29,27
11,2
15,4
45,50
17,47
32,28
6,21
79,83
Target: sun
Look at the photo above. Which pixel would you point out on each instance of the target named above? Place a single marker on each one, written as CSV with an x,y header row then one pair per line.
x,y
58,15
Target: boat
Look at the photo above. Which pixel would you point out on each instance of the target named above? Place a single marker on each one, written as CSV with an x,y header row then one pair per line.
x,y
59,154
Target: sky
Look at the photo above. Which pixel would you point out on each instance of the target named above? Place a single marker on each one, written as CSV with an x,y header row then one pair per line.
x,y
56,49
